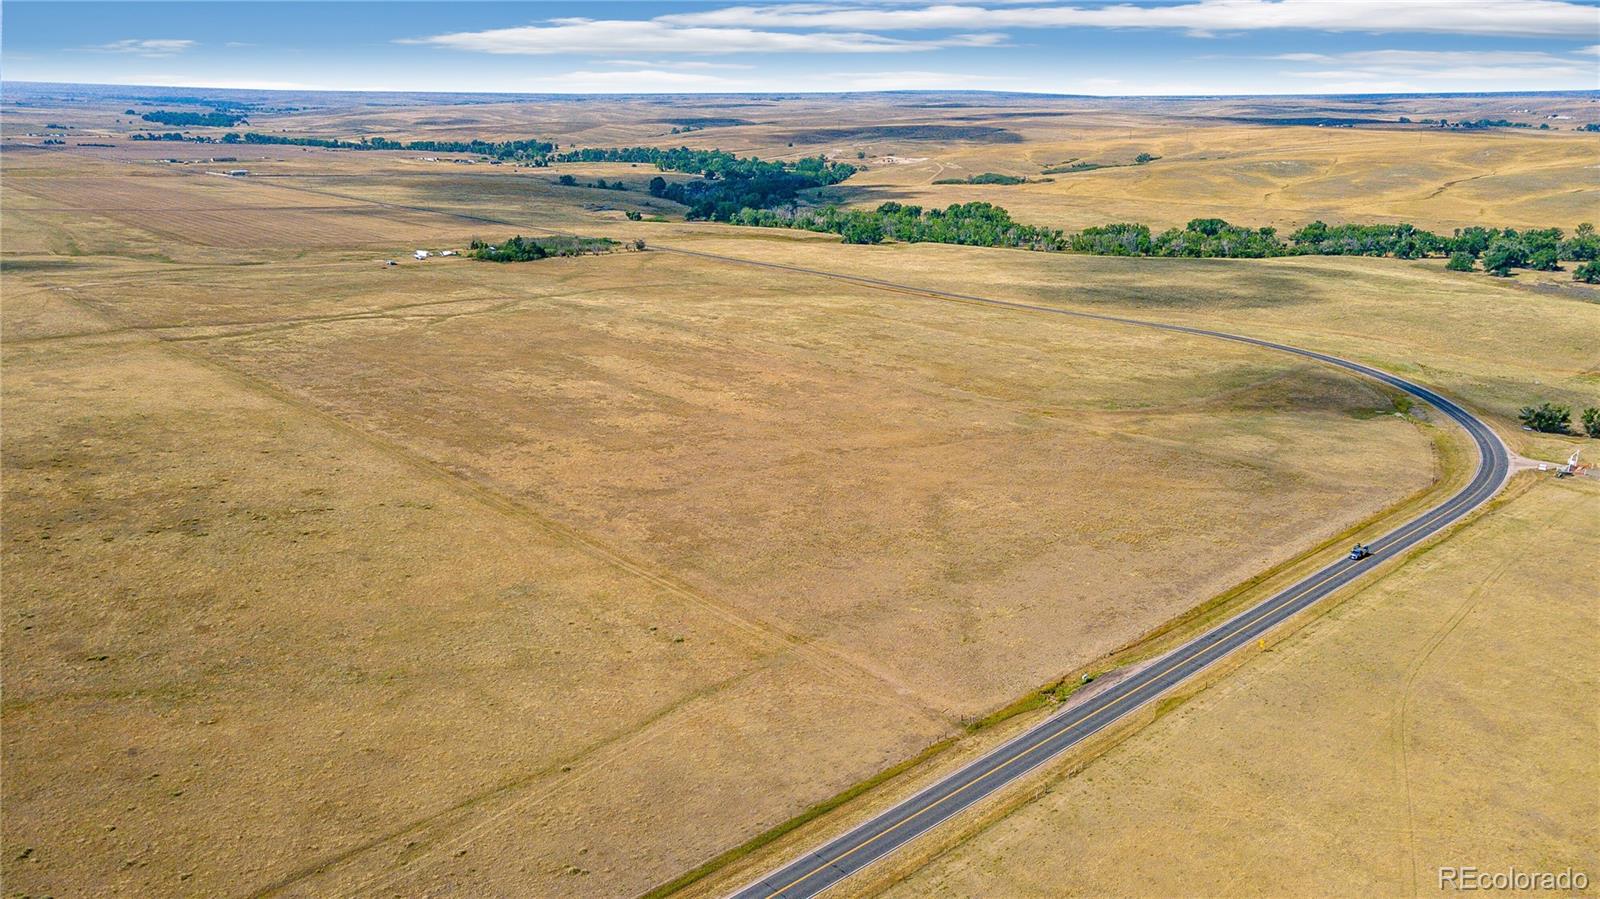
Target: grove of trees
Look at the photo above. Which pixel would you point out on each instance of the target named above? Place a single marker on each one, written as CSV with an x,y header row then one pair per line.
x,y
1547,417
527,249
727,183
970,224
192,119
1497,250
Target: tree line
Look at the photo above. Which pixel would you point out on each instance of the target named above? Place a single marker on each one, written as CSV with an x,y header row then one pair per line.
x,y
1553,418
528,249
532,152
969,224
984,224
193,119
727,183
1497,250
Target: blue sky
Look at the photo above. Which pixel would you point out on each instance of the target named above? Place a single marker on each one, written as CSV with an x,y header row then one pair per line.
x,y
628,46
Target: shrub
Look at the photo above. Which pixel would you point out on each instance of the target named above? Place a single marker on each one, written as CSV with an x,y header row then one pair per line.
x,y
1547,417
1588,273
1504,254
1591,421
1461,261
1543,259
862,229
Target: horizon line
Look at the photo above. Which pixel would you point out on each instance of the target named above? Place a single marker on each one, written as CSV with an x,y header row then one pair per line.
x,y
787,93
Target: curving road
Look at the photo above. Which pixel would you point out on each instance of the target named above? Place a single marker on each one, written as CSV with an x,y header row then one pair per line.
x,y
844,855
876,838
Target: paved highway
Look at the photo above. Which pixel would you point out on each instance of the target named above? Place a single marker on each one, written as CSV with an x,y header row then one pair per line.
x,y
872,840
844,855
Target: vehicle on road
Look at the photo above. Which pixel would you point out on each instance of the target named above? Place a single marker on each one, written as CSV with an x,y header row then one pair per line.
x,y
1359,552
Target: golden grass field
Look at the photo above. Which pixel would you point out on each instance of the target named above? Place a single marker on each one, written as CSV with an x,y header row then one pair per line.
x,y
1426,722
561,578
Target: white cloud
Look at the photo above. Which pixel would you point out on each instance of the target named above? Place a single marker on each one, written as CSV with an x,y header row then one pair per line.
x,y
152,48
1593,50
1429,57
1555,18
659,36
1410,70
684,64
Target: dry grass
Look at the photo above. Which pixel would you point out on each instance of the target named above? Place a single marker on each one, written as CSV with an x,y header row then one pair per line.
x,y
339,530
561,578
1444,716
1498,344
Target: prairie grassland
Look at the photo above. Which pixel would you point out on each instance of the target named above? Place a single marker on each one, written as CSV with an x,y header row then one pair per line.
x,y
1211,163
101,208
1256,175
1444,716
1498,344
561,578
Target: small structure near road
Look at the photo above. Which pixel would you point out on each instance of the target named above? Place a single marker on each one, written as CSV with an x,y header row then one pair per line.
x,y
421,254
1573,468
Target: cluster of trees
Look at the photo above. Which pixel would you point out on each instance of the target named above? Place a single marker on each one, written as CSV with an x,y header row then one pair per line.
x,y
527,249
534,152
1473,124
728,183
1541,249
531,152
1498,250
1210,237
1551,418
601,183
192,119
984,224
969,224
985,178
1078,165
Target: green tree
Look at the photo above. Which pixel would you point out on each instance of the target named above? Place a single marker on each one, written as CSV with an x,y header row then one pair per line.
x,y
658,186
1461,261
1591,421
1588,273
862,229
1547,417
1504,254
1543,260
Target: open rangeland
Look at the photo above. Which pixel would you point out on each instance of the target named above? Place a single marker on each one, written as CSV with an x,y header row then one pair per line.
x,y
560,578
1443,717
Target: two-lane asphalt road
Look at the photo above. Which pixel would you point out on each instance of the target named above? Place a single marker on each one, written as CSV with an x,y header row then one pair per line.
x,y
876,838
868,842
